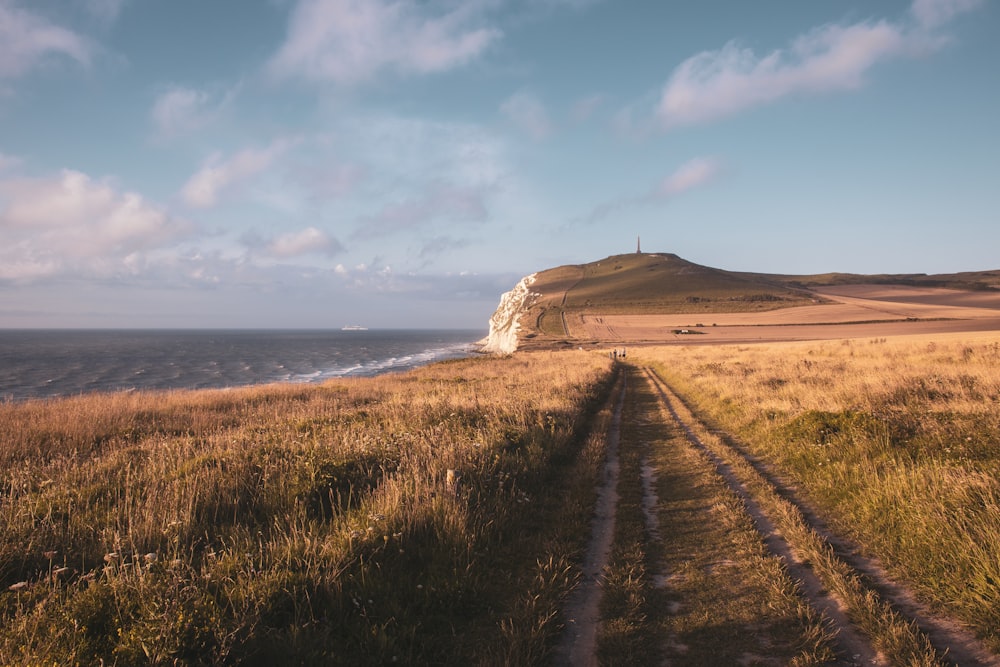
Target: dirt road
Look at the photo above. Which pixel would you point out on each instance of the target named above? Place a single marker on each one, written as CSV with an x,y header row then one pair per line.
x,y
714,561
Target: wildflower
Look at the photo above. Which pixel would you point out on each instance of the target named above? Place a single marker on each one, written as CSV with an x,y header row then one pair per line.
x,y
19,586
150,557
59,571
50,554
111,557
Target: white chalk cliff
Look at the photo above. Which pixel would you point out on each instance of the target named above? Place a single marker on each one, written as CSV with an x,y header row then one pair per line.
x,y
505,322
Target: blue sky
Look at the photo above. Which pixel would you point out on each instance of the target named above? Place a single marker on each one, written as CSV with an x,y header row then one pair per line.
x,y
394,163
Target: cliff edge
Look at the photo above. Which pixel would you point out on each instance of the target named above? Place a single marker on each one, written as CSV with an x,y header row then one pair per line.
x,y
505,322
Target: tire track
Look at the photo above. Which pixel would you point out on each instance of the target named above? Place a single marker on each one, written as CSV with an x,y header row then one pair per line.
x,y
850,645
585,621
562,305
582,612
952,643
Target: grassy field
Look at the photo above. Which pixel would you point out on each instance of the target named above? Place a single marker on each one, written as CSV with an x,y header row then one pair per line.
x,y
302,524
440,516
894,441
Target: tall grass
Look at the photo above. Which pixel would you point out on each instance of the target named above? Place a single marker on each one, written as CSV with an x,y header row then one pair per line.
x,y
300,523
894,440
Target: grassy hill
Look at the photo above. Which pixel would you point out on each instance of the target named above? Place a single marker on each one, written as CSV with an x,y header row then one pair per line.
x,y
666,283
651,283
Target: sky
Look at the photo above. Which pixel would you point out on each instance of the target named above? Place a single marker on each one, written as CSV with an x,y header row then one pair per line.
x,y
401,163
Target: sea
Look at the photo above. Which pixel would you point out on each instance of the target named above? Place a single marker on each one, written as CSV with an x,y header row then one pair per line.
x,y
56,362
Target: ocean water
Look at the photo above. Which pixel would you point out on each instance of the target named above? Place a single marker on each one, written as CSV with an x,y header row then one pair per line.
x,y
47,363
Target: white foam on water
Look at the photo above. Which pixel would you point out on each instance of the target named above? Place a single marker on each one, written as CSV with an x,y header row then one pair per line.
x,y
388,364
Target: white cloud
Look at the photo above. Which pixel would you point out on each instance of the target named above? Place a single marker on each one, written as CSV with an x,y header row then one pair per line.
x,y
419,174
202,190
72,224
528,113
303,242
179,110
440,202
715,84
933,13
106,11
400,151
690,175
27,40
693,174
442,244
330,180
351,41
585,108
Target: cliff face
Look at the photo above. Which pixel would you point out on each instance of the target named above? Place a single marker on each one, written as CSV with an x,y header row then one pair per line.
x,y
506,319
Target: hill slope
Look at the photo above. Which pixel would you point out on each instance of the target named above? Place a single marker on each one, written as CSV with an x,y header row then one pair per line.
x,y
663,283
649,283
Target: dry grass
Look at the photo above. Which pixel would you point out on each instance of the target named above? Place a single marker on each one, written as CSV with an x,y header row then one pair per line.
x,y
893,440
302,524
693,584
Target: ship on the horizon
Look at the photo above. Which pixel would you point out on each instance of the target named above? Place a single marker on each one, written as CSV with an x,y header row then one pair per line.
x,y
354,327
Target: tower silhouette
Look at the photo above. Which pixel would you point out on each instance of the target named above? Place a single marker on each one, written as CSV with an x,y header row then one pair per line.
x,y
638,245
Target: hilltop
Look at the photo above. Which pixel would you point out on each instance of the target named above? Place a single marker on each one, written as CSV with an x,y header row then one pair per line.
x,y
607,299
653,283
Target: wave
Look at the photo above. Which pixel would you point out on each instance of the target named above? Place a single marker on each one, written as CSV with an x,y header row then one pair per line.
x,y
65,363
389,364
